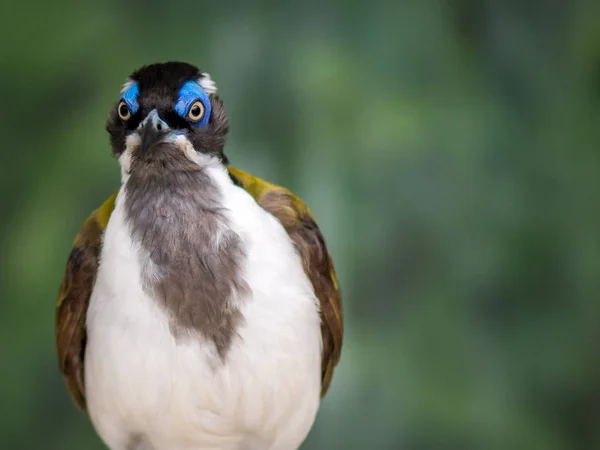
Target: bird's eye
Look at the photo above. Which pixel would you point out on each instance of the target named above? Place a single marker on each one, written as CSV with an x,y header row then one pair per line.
x,y
196,112
123,111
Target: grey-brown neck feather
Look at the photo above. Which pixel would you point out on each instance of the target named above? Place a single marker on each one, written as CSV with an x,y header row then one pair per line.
x,y
175,213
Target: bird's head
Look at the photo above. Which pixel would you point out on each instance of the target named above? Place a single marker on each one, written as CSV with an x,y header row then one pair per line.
x,y
167,118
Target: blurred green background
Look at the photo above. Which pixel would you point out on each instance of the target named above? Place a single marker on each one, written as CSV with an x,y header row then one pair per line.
x,y
448,149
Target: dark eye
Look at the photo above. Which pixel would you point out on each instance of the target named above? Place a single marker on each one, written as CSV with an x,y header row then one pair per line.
x,y
196,112
123,111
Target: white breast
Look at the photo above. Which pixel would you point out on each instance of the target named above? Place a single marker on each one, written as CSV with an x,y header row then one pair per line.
x,y
144,386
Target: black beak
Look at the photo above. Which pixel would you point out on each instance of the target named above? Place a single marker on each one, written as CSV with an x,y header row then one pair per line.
x,y
151,134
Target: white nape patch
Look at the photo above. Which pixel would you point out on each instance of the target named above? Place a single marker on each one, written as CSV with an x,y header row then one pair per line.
x,y
132,142
206,82
127,85
201,159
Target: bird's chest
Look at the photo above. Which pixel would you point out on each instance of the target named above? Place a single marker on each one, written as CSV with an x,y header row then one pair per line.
x,y
145,377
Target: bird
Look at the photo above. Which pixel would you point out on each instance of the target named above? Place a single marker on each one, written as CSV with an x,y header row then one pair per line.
x,y
199,306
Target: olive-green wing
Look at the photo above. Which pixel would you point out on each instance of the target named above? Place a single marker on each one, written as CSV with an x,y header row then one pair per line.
x,y
82,265
304,232
74,296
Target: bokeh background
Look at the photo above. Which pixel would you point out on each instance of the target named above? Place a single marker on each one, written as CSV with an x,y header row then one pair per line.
x,y
448,149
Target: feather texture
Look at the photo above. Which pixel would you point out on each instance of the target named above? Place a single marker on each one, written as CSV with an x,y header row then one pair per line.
x,y
82,265
300,225
74,296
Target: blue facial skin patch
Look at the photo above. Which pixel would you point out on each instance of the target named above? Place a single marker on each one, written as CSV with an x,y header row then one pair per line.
x,y
130,96
188,94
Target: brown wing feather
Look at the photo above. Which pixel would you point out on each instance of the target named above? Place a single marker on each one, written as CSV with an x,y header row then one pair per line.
x,y
73,299
80,274
303,230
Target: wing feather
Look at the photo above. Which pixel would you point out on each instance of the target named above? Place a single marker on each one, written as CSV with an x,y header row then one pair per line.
x,y
74,296
300,225
82,265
